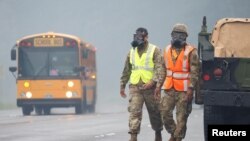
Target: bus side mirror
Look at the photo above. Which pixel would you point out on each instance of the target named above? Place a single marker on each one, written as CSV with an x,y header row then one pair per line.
x,y
79,69
13,54
12,69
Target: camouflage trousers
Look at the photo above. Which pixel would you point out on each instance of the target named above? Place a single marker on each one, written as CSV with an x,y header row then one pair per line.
x,y
137,98
169,101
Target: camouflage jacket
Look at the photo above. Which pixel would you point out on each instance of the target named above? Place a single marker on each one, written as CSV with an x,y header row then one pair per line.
x,y
159,69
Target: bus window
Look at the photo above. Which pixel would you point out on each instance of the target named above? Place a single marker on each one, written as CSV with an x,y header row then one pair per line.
x,y
63,63
33,63
85,53
47,62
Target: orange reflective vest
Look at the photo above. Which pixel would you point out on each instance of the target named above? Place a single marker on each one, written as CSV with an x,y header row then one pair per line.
x,y
178,73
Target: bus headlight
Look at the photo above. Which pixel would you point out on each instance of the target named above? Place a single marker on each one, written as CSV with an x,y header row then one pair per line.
x,y
70,84
28,94
69,94
26,84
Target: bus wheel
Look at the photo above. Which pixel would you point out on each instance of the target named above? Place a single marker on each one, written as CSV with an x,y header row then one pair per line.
x,y
79,108
38,110
27,110
84,104
91,108
46,110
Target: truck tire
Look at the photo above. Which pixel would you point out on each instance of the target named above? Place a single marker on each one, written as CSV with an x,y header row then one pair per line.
x,y
199,96
212,115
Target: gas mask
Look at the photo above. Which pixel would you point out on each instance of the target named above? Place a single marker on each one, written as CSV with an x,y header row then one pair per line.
x,y
138,40
178,39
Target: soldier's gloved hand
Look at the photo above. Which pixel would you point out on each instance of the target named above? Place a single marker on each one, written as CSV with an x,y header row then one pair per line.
x,y
122,93
157,93
189,96
148,85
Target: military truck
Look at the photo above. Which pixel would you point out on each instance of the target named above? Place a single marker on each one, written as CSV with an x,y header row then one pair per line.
x,y
224,81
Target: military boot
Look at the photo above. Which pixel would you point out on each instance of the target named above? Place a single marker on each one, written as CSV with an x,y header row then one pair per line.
x,y
172,138
178,139
158,136
133,137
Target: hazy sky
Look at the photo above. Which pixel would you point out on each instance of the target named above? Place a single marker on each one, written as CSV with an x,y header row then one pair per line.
x,y
109,25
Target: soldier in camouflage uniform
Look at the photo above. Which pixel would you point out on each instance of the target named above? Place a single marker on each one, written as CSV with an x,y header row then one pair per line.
x,y
182,68
144,68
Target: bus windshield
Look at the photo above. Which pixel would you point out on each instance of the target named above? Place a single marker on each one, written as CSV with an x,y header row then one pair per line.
x,y
47,62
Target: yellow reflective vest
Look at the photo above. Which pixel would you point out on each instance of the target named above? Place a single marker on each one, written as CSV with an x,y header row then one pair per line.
x,y
142,67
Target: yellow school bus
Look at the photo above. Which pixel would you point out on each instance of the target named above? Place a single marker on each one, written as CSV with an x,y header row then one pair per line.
x,y
54,70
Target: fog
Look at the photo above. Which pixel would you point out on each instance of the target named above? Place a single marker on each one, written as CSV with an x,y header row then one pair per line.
x,y
109,25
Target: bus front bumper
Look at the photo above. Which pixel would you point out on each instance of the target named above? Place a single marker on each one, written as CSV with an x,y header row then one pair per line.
x,y
49,102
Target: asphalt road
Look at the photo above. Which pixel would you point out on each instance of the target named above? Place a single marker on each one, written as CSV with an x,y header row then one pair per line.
x,y
64,125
